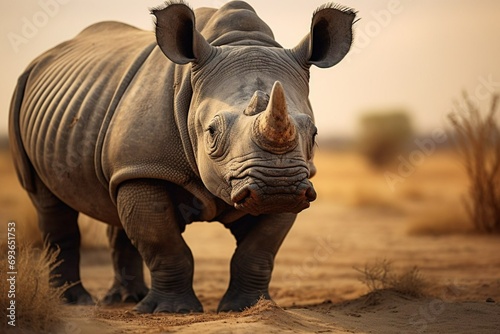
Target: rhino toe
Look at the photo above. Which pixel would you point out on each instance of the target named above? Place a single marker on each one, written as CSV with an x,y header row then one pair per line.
x,y
77,295
158,302
119,293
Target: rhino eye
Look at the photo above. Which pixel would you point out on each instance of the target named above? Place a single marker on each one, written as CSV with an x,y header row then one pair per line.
x,y
214,137
211,130
310,146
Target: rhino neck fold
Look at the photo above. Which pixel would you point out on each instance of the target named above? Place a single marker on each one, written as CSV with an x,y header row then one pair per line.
x,y
183,93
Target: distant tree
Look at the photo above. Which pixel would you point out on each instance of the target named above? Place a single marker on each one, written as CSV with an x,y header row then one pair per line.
x,y
383,135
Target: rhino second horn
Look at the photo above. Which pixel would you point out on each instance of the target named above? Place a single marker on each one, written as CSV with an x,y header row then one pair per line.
x,y
257,104
274,129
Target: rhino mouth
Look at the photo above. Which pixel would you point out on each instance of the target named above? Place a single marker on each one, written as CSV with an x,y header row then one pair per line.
x,y
256,197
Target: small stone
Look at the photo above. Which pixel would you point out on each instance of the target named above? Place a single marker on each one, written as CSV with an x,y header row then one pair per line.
x,y
352,314
490,300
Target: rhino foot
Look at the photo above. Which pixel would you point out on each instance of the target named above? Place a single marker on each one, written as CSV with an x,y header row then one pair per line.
x,y
160,302
237,302
77,295
121,293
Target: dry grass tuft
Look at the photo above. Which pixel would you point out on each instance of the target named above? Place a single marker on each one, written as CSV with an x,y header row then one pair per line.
x,y
478,139
381,276
37,303
263,305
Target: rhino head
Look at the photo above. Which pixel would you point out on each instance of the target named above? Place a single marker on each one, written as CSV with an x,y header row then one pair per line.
x,y
250,122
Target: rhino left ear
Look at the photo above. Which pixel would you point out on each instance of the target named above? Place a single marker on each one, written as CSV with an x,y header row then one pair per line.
x,y
330,37
177,36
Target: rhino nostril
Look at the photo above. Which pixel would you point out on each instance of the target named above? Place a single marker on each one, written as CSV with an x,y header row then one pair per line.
x,y
241,195
310,194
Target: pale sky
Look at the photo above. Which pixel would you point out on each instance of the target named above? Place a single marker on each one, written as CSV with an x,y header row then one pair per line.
x,y
417,55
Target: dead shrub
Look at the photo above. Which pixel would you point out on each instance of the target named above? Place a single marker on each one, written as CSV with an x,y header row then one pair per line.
x,y
478,140
37,303
381,276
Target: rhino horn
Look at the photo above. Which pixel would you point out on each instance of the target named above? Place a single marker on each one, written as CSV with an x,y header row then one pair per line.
x,y
274,129
257,104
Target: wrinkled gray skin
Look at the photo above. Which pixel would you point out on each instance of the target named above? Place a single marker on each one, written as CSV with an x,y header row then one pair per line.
x,y
209,122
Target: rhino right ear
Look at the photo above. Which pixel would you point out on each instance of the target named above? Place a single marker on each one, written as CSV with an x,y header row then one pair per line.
x,y
177,36
330,37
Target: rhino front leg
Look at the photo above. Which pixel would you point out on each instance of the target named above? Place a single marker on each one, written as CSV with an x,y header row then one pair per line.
x,y
59,226
128,285
258,240
150,220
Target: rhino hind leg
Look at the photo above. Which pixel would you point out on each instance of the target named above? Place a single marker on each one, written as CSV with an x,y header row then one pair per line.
x,y
150,219
59,226
258,240
128,285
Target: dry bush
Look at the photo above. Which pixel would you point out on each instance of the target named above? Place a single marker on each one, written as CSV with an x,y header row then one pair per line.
x,y
478,139
381,276
37,303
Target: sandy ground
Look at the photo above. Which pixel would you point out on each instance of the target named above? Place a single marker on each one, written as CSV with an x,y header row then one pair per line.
x,y
356,221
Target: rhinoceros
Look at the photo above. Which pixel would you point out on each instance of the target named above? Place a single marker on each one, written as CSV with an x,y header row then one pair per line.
x,y
206,119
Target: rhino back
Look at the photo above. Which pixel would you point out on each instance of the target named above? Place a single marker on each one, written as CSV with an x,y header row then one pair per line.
x,y
70,95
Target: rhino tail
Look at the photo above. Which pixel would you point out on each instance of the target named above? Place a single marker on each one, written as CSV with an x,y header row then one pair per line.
x,y
24,168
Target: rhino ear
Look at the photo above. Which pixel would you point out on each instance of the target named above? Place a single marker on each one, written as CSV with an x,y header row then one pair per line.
x,y
177,36
330,37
